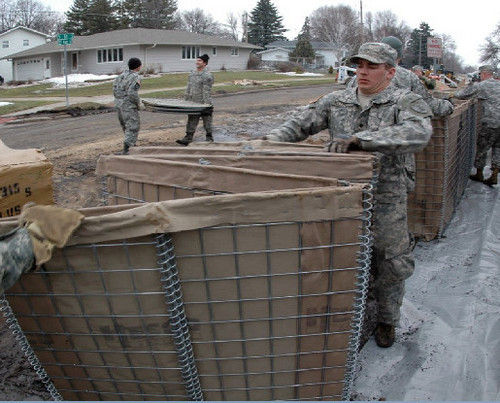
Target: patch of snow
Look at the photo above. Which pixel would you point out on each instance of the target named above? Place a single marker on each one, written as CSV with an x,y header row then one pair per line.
x,y
5,103
294,74
79,78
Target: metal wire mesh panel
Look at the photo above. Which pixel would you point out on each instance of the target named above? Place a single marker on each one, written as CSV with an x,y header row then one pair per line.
x,y
272,311
443,169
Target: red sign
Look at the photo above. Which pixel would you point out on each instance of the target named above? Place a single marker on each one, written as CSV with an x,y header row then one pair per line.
x,y
434,47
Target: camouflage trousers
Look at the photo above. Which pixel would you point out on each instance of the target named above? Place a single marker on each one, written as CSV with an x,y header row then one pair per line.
x,y
392,260
130,122
193,120
488,138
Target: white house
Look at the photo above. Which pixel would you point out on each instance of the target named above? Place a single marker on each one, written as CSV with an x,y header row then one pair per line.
x,y
108,53
279,51
16,40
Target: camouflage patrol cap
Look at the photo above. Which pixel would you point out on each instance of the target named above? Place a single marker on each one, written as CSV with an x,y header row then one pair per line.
x,y
376,52
394,43
417,67
487,67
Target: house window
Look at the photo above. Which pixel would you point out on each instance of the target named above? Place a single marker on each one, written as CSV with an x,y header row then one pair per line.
x,y
5,44
214,51
190,52
112,55
26,42
235,51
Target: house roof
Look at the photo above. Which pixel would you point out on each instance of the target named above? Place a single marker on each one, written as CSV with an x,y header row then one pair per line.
x,y
25,29
273,50
291,45
134,36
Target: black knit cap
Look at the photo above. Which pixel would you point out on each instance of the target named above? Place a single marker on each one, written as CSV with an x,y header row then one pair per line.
x,y
204,58
133,63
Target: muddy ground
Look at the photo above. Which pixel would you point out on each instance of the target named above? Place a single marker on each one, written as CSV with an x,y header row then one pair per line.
x,y
73,148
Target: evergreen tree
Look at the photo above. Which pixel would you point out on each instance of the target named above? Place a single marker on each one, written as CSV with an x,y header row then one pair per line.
x,y
265,25
87,17
77,17
303,49
416,50
158,14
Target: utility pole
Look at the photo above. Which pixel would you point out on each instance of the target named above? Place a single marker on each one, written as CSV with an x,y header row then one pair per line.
x,y
244,25
361,16
420,48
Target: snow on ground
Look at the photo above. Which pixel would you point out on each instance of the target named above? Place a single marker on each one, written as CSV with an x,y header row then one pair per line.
x,y
448,343
5,103
78,78
294,74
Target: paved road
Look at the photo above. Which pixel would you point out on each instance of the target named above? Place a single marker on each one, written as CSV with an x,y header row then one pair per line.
x,y
58,133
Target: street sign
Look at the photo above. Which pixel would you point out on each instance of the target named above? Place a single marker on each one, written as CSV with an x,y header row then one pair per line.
x,y
434,47
65,39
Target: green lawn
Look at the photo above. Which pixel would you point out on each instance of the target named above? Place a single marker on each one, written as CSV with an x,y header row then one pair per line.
x,y
231,88
21,106
165,81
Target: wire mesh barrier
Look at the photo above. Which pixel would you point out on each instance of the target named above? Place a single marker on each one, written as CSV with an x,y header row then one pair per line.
x,y
442,171
249,296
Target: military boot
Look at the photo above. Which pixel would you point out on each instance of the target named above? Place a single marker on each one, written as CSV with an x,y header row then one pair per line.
x,y
209,138
493,179
188,138
478,177
125,149
384,335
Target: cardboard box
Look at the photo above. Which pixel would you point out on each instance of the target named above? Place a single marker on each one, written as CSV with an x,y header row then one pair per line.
x,y
25,176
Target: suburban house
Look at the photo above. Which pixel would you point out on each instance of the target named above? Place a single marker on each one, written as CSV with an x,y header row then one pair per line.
x,y
108,53
279,51
16,40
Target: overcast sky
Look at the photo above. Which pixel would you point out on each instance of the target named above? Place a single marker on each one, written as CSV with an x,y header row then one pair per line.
x,y
468,23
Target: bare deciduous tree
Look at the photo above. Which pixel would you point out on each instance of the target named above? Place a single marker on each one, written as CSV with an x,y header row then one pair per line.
x,y
339,25
31,14
198,21
490,51
386,23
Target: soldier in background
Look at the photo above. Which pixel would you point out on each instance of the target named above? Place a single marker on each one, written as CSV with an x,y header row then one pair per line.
x,y
378,117
199,89
429,83
487,90
128,103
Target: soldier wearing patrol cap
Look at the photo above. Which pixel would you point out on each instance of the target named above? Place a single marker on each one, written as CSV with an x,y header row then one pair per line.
x,y
487,90
375,116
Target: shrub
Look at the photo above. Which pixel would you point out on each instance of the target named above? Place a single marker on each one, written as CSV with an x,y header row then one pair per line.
x,y
254,62
285,67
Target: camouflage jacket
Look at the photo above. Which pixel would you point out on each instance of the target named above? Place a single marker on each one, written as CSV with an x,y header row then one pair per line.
x,y
125,89
199,87
396,122
489,92
407,79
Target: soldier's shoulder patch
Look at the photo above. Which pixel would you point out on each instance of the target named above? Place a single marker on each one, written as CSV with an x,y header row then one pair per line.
x,y
414,103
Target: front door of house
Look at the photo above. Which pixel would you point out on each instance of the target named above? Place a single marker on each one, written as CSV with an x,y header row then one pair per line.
x,y
74,61
46,71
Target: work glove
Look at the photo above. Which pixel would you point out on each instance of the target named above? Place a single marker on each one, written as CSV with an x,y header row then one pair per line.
x,y
344,145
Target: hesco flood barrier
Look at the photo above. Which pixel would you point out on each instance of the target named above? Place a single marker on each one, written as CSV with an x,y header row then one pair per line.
x,y
246,296
442,171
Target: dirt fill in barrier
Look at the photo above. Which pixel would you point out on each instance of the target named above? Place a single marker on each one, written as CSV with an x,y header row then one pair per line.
x,y
248,296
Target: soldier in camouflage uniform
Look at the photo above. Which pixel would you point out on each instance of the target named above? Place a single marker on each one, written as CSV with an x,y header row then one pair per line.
x,y
375,116
16,257
199,89
128,103
409,80
487,90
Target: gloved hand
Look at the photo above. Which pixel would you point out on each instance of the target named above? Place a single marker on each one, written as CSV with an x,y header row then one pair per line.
x,y
141,106
272,136
344,145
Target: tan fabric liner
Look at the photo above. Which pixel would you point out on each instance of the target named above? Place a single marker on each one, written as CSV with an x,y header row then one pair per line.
x,y
9,156
196,176
350,167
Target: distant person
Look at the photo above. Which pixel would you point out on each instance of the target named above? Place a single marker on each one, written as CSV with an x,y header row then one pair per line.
x,y
199,89
429,83
487,90
1,80
128,103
